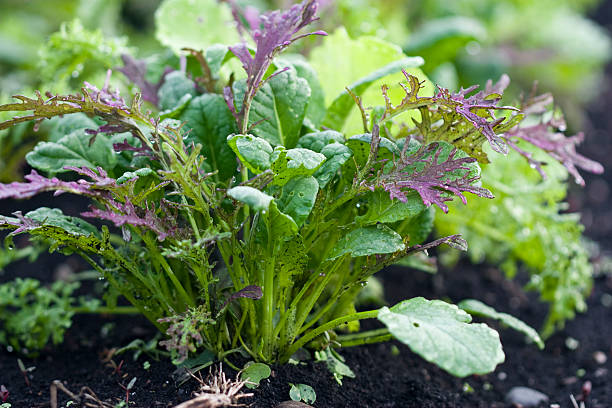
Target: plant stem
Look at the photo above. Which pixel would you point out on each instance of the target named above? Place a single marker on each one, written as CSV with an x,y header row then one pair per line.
x,y
106,310
367,337
370,314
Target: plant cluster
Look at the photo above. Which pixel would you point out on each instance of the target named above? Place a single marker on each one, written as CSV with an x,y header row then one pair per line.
x,y
250,219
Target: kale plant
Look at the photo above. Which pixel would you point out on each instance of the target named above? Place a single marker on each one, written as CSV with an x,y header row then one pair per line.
x,y
248,220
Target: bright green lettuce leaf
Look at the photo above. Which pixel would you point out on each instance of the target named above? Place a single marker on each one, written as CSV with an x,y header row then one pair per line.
x,y
340,109
341,60
253,152
278,108
441,333
196,24
298,198
251,197
73,150
294,162
174,89
56,218
366,241
59,127
381,208
211,121
477,308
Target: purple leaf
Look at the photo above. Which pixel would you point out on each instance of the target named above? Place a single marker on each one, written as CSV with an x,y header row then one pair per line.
x,y
454,241
278,30
556,144
431,177
37,184
250,292
106,96
469,106
140,151
136,70
123,214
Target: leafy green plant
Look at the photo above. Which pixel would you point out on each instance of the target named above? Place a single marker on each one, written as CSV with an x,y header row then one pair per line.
x,y
249,221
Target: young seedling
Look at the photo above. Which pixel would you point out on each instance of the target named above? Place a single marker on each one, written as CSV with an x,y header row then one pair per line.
x,y
25,371
127,390
4,393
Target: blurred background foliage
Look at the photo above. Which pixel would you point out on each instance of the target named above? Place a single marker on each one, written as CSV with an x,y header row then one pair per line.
x,y
56,45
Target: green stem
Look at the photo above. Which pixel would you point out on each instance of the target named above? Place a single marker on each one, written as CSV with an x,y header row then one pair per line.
x,y
268,299
106,310
366,340
370,314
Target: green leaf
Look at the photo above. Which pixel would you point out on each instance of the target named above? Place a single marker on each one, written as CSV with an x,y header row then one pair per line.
x,y
194,24
56,218
298,198
253,152
316,141
340,109
366,241
360,146
211,121
294,162
61,126
441,333
441,40
341,60
176,85
215,56
315,112
337,154
279,106
254,373
302,392
280,225
129,175
73,150
250,196
477,308
381,208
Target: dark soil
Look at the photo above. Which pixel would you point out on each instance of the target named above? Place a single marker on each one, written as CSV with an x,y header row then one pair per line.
x,y
384,378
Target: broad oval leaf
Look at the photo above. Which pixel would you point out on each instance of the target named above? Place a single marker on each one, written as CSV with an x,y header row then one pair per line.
x,y
55,217
176,85
381,208
250,196
194,24
211,121
340,109
441,333
365,241
316,141
254,373
477,308
294,162
298,198
73,150
278,108
253,152
337,154
360,146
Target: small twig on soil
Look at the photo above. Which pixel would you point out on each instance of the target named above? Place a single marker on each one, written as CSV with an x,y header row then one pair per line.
x,y
86,396
217,391
575,403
